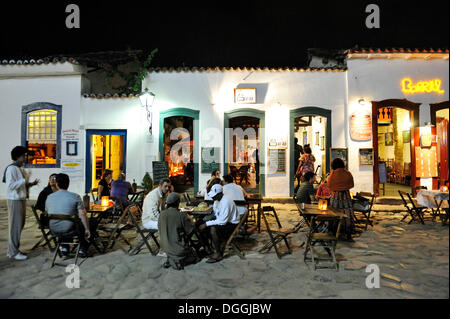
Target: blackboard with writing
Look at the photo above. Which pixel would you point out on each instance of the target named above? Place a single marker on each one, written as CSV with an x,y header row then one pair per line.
x,y
382,173
210,159
277,160
160,171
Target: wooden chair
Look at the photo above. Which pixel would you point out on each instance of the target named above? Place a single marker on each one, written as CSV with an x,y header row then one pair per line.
x,y
406,175
366,214
276,234
115,228
61,241
94,194
145,234
416,212
43,224
231,242
325,240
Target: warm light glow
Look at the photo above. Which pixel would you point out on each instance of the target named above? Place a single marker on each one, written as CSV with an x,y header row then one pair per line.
x,y
421,87
351,195
176,169
323,203
406,124
444,189
105,201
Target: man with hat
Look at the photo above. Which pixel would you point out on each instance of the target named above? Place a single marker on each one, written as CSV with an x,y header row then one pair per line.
x,y
174,229
227,218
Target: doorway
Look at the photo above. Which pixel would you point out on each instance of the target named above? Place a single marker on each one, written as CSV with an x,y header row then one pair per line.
x,y
310,125
440,118
105,149
393,123
178,133
244,145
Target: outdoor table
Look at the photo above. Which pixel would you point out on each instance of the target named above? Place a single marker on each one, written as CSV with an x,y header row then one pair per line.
x,y
434,199
135,195
94,221
198,213
316,215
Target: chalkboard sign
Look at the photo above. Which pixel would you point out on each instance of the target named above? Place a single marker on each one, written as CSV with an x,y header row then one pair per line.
x,y
210,159
277,160
160,171
382,174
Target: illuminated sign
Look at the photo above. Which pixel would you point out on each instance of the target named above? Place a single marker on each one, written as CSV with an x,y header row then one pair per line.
x,y
421,87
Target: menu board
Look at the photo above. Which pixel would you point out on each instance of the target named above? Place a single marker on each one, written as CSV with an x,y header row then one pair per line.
x,y
382,173
160,171
210,159
426,162
277,160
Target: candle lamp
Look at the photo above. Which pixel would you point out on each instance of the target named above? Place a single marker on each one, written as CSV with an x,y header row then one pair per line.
x,y
444,189
323,203
105,201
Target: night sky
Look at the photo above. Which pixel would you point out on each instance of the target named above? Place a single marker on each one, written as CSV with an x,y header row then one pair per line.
x,y
219,33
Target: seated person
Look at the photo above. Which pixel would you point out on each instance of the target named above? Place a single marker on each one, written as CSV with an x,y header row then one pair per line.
x,y
174,229
323,190
227,217
306,189
120,188
235,192
63,202
49,189
204,192
104,186
153,204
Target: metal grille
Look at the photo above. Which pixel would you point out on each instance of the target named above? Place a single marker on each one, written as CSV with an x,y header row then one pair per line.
x,y
41,126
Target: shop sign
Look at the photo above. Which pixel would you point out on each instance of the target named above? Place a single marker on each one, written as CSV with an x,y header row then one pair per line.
x,y
361,126
409,87
245,96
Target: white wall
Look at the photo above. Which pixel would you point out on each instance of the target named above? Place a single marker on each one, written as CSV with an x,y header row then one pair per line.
x,y
212,93
16,92
380,79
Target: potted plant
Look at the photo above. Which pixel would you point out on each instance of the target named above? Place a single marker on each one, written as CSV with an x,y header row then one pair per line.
x,y
147,183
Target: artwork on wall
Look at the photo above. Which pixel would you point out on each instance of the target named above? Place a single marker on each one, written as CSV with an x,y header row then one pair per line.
x,y
366,157
305,137
406,136
317,138
322,143
337,152
389,139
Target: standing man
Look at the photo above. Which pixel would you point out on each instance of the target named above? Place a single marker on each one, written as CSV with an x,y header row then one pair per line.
x,y
17,186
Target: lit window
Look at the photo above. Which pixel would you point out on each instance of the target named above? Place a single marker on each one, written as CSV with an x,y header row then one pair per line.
x,y
41,137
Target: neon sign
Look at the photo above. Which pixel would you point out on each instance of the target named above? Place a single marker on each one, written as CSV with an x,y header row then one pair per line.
x,y
421,87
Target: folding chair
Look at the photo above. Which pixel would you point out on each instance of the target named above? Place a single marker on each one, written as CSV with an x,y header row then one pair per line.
x,y
47,237
276,234
303,221
150,233
366,214
416,212
231,242
325,240
94,191
118,216
60,241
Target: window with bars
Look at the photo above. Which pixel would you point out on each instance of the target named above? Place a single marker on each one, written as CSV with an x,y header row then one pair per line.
x,y
41,134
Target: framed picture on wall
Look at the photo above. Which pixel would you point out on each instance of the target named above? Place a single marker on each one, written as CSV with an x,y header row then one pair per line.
x,y
322,143
339,152
305,138
317,138
389,139
406,136
366,157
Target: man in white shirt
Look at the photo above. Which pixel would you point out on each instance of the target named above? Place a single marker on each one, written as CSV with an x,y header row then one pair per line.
x,y
227,218
17,186
154,203
235,192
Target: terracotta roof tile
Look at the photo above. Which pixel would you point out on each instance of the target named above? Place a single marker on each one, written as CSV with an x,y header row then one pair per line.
x,y
396,50
242,69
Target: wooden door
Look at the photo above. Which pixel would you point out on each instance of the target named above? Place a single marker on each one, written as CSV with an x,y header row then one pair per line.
x,y
442,134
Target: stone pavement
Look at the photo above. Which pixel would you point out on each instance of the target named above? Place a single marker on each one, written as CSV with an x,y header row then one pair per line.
x,y
413,261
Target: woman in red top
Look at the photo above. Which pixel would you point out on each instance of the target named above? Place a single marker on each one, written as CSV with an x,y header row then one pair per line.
x,y
324,190
340,182
306,163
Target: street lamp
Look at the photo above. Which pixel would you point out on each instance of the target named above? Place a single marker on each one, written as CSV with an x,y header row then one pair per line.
x,y
147,98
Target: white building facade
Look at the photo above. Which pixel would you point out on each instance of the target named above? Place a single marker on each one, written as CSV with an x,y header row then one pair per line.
x,y
208,96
